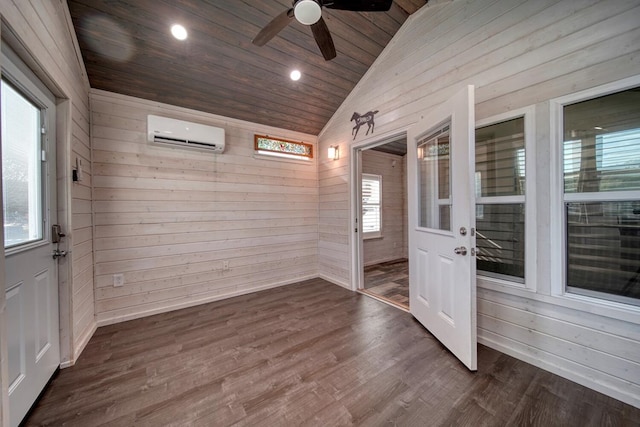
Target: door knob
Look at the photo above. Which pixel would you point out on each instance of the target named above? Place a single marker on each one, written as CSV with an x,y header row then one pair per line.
x,y
461,250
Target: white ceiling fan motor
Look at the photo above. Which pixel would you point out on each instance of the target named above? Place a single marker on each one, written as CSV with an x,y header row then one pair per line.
x,y
307,12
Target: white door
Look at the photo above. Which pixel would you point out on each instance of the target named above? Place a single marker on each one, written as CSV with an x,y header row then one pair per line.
x,y
28,190
442,225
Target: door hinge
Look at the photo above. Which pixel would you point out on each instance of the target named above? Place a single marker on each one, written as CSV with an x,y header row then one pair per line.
x,y
43,155
43,130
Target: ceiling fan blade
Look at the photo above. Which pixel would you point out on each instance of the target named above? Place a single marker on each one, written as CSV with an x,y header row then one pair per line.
x,y
323,38
276,25
359,5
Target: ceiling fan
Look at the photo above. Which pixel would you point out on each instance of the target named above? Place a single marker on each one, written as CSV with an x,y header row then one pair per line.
x,y
309,12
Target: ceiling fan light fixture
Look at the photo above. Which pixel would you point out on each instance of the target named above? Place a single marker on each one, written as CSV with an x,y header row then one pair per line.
x,y
307,12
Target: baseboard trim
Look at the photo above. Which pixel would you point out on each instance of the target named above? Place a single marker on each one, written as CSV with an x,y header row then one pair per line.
x,y
503,345
335,281
80,346
84,340
110,320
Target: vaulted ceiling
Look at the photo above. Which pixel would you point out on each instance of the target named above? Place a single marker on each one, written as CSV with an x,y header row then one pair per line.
x,y
128,48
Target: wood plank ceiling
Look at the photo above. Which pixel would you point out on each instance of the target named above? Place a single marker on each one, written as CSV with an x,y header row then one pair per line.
x,y
127,48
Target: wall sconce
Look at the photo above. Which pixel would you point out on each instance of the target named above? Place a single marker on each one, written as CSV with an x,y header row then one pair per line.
x,y
333,153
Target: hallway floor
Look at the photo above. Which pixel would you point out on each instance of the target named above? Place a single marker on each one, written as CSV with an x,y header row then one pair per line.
x,y
389,281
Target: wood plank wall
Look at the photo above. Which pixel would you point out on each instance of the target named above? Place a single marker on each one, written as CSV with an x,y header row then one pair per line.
x,y
517,53
41,33
333,210
393,243
169,218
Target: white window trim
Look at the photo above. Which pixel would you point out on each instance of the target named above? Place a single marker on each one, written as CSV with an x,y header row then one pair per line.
x,y
279,157
15,72
529,199
374,234
613,309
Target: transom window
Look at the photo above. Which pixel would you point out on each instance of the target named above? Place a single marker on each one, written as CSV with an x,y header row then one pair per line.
x,y
264,144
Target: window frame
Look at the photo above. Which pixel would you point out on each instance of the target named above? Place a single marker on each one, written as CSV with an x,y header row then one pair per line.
x,y
280,155
499,282
372,234
558,223
16,74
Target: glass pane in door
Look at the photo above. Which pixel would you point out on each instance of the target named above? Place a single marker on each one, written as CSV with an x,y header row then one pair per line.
x,y
21,168
434,181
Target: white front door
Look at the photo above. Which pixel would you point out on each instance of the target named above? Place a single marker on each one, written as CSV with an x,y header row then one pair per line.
x,y
31,277
442,225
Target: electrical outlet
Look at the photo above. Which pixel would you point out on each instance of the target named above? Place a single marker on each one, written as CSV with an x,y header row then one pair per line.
x,y
118,280
225,265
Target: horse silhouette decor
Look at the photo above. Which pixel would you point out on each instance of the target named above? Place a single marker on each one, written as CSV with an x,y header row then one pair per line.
x,y
361,120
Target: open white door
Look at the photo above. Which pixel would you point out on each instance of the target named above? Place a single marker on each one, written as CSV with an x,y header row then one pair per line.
x,y
442,224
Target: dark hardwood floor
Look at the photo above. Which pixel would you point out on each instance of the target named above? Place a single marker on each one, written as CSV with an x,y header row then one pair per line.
x,y
389,280
305,354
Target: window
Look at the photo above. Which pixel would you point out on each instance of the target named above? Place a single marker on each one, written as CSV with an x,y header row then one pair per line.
x,y
601,181
371,206
21,168
282,148
500,199
434,180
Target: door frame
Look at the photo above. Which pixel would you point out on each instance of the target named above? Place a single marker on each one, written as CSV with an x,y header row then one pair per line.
x,y
63,143
355,167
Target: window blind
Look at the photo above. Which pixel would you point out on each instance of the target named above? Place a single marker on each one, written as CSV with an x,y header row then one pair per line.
x,y
601,154
500,189
602,161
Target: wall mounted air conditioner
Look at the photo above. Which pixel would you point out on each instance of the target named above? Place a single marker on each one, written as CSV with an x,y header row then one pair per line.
x,y
164,130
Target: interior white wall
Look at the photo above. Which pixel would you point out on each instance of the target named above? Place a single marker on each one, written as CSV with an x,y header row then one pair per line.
x,y
518,54
169,218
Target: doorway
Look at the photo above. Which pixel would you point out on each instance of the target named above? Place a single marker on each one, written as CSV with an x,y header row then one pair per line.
x,y
29,211
440,229
381,185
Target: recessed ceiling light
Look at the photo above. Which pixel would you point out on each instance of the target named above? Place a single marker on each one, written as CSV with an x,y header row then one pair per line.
x,y
295,75
179,32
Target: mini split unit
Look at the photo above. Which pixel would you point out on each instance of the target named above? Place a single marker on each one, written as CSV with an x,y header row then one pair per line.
x,y
164,130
